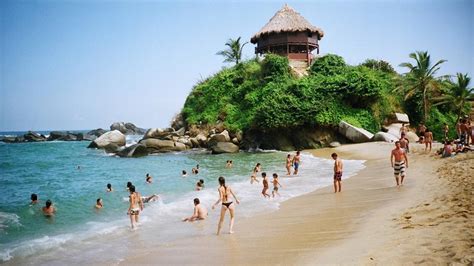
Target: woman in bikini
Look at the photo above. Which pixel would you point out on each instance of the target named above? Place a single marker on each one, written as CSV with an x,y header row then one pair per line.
x,y
136,205
253,177
224,192
289,162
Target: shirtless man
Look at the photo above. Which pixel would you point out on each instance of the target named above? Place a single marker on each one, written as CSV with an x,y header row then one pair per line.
x,y
403,129
404,143
296,162
265,185
337,173
464,130
49,210
200,212
401,160
428,139
421,132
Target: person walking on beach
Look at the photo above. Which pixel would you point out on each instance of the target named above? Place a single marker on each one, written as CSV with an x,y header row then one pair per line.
x,y
275,185
404,143
224,192
421,132
296,162
398,165
136,205
337,172
200,212
265,185
253,177
288,164
48,209
428,139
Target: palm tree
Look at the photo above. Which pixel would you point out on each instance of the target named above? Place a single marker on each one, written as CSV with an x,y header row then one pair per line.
x,y
458,94
234,52
420,79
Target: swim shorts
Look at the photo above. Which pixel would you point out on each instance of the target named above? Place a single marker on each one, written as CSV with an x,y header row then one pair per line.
x,y
337,176
399,168
296,165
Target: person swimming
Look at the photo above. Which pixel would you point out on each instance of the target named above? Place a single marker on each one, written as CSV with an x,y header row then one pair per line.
x,y
98,204
149,178
109,188
34,199
48,209
184,173
129,184
200,185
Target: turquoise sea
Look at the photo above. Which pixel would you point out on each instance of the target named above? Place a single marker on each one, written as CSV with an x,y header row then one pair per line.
x,y
73,177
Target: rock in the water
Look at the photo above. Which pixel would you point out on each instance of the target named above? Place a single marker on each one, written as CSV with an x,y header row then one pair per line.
x,y
34,137
224,147
382,136
97,132
136,150
158,145
111,137
334,144
156,133
111,148
55,135
179,146
127,128
202,140
354,134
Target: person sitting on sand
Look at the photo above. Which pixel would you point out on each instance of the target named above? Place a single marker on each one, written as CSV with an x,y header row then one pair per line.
x,y
404,143
200,185
98,204
337,172
200,212
34,199
265,185
149,179
401,160
224,192
428,139
49,209
288,164
109,188
184,173
447,149
275,185
253,177
296,162
136,205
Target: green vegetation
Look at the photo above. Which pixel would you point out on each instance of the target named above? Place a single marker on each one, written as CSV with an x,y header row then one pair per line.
x,y
234,52
265,95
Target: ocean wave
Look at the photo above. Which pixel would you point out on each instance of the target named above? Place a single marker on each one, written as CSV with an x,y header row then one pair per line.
x,y
8,220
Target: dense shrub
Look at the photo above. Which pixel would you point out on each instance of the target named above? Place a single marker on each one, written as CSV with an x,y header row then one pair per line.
x,y
327,65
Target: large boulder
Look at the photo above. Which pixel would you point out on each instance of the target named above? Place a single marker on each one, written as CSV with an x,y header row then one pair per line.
x,y
217,138
224,147
97,132
179,146
111,137
111,148
158,133
399,118
195,142
354,134
136,150
202,140
383,136
185,141
34,137
127,128
412,137
56,135
158,145
180,132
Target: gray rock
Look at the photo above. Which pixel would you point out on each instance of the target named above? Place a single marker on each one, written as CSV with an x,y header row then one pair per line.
x,y
235,141
158,145
127,128
33,137
136,150
111,137
179,146
217,138
195,142
412,137
55,135
334,144
180,132
399,118
202,140
354,134
97,132
225,133
382,136
185,141
156,133
224,147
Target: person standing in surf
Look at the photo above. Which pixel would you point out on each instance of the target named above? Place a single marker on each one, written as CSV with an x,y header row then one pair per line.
x,y
136,205
288,164
296,162
224,192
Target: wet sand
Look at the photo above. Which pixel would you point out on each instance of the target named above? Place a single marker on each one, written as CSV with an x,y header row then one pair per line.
x,y
371,222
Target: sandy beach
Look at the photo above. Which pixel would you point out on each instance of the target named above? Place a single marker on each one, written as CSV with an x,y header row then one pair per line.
x,y
426,221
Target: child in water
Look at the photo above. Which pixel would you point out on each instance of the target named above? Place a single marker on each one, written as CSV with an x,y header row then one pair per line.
x,y
200,185
275,185
253,177
265,185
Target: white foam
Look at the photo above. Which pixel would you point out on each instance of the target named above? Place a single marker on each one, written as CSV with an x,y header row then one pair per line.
x,y
9,220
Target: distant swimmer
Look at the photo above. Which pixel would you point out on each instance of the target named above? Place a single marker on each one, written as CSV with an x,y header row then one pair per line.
x,y
129,184
149,179
98,204
195,170
288,164
109,188
401,160
200,185
49,209
34,199
337,172
265,185
224,192
200,212
228,164
296,162
184,173
78,167
253,177
136,205
275,185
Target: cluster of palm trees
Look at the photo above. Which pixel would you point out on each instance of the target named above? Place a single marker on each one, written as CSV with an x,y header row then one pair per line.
x,y
421,80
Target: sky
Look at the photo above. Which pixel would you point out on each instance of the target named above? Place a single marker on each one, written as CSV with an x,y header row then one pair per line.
x,y
69,65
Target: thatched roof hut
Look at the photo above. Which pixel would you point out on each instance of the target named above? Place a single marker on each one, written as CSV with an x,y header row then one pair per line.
x,y
289,34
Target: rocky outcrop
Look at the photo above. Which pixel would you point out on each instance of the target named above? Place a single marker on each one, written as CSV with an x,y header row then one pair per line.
x,y
158,133
96,132
112,137
127,128
224,147
65,136
354,134
34,137
383,136
136,150
398,118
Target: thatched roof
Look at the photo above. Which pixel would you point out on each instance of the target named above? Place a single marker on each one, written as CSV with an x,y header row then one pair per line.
x,y
287,20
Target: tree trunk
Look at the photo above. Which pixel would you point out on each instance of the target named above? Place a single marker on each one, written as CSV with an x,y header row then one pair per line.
x,y
425,106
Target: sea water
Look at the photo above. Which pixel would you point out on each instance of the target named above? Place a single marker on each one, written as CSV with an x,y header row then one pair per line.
x,y
73,177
